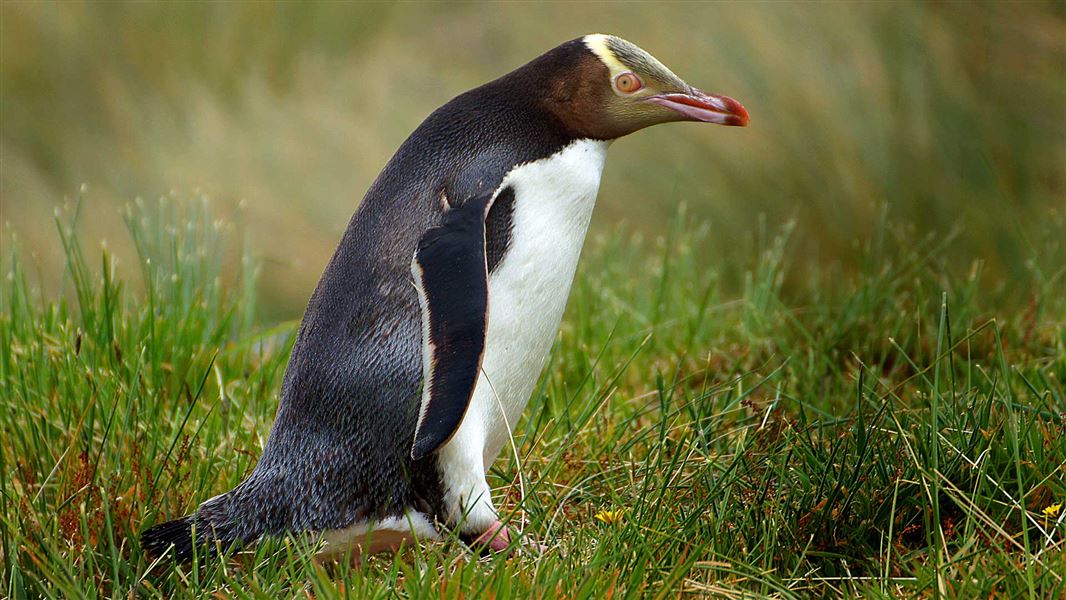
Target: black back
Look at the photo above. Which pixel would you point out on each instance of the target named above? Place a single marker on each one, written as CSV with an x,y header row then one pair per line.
x,y
339,449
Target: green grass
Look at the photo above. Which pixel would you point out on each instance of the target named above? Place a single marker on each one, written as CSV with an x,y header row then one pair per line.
x,y
894,432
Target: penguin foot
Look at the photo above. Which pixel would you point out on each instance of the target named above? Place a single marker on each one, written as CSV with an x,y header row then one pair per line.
x,y
497,538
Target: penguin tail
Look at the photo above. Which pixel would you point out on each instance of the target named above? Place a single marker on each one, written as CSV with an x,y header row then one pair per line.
x,y
180,539
174,536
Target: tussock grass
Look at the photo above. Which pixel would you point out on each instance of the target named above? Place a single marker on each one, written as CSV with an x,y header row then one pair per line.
x,y
893,432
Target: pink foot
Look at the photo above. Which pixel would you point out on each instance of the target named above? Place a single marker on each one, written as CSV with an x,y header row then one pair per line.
x,y
495,538
498,538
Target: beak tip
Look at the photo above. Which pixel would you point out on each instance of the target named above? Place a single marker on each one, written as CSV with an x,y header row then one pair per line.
x,y
738,114
709,108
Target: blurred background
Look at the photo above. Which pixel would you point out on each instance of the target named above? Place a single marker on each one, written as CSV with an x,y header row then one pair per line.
x,y
949,118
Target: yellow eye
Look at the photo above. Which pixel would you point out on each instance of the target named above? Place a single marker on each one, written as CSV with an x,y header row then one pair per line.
x,y
627,83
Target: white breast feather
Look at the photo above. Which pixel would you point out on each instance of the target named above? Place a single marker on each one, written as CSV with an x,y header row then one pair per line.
x,y
554,198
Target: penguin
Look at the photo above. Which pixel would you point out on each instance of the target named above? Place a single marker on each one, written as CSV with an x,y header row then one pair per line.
x,y
429,327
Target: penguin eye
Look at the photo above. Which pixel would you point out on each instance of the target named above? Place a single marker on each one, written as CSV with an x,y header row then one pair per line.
x,y
627,83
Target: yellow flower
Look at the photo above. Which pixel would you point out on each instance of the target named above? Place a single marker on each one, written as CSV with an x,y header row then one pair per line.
x,y
1051,511
610,517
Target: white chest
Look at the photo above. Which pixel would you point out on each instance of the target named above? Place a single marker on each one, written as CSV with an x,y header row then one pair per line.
x,y
554,198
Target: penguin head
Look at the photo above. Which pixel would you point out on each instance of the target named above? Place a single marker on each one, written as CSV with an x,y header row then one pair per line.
x,y
604,87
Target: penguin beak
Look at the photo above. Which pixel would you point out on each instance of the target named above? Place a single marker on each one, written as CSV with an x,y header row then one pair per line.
x,y
701,106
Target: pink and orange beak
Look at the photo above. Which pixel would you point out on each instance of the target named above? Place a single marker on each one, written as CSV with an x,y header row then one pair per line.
x,y
709,108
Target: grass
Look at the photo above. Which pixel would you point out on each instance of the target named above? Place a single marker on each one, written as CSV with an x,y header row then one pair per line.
x,y
737,428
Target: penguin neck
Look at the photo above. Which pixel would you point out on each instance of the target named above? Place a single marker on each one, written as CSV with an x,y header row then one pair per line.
x,y
561,189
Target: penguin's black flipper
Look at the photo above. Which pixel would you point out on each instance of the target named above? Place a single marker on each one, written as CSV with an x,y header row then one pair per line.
x,y
451,275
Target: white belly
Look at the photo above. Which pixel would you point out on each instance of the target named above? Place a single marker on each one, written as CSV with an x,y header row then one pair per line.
x,y
553,203
528,290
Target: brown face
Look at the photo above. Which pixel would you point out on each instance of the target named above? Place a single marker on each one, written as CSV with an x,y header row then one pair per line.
x,y
619,88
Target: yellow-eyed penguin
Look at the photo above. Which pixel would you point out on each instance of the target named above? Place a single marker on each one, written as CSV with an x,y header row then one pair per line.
x,y
429,328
